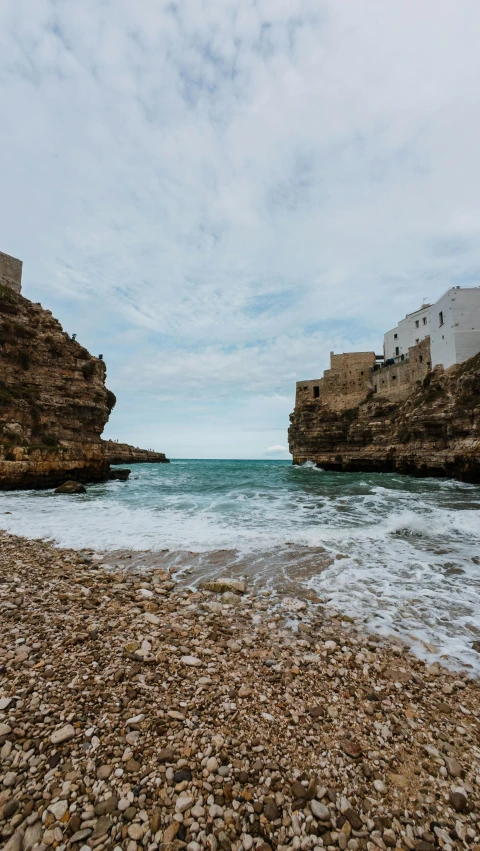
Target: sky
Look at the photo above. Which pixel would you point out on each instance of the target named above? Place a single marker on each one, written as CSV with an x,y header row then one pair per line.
x,y
215,195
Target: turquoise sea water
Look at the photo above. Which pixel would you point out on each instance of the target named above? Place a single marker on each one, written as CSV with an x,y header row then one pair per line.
x,y
401,554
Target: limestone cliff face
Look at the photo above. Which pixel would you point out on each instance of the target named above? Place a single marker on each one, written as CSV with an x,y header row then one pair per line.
x,y
53,400
122,453
435,431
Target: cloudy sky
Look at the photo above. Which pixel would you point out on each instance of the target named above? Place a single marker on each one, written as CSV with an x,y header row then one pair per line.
x,y
216,194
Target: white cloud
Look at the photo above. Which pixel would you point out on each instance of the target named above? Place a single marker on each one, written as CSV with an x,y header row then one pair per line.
x,y
215,195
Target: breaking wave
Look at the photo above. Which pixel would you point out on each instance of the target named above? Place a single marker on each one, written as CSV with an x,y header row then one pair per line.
x,y
398,554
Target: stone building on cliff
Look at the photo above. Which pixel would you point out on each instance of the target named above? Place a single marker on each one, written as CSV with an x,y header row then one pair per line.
x,y
415,409
438,335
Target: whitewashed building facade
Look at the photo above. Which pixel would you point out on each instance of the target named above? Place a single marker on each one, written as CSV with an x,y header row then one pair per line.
x,y
452,323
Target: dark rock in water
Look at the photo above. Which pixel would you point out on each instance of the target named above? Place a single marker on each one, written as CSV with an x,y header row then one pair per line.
x,y
476,646
71,487
121,475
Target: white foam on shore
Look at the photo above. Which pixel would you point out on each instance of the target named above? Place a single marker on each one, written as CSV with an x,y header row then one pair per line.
x,y
409,548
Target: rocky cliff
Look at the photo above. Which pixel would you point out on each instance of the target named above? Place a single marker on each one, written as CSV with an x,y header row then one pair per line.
x,y
122,453
53,400
435,431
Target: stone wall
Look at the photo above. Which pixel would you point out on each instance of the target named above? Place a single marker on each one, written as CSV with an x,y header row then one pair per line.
x,y
397,380
10,272
343,386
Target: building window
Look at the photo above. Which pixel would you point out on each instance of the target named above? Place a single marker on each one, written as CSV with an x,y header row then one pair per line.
x,y
417,323
440,318
397,351
420,358
417,340
316,392
424,320
395,336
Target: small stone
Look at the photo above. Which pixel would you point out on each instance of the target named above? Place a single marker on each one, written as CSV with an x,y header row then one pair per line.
x,y
191,661
215,811
155,821
9,779
15,843
352,749
380,787
182,775
453,767
271,811
135,831
58,809
33,835
5,729
170,833
166,755
80,835
135,720
219,586
104,772
299,790
133,766
212,765
130,813
62,735
4,704
183,804
320,811
354,818
102,827
106,807
10,808
458,801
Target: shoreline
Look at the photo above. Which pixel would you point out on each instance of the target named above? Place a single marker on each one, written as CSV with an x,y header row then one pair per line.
x,y
137,713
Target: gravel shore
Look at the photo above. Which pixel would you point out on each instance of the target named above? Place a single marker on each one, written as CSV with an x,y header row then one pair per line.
x,y
135,714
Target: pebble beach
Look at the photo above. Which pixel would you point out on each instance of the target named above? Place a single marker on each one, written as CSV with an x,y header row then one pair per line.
x,y
137,714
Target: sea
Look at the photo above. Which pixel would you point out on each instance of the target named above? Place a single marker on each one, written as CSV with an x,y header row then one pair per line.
x,y
401,556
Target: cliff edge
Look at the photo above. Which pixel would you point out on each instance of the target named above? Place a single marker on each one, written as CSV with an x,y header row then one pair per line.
x,y
122,453
435,431
53,400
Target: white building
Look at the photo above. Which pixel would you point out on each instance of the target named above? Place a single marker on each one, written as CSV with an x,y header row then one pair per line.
x,y
452,323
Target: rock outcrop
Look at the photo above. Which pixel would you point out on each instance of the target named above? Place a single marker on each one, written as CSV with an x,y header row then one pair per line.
x,y
122,453
435,431
53,400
